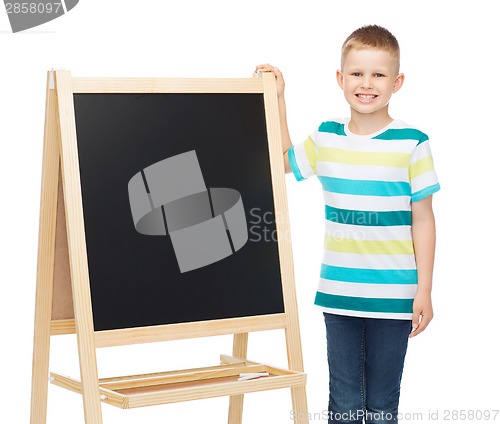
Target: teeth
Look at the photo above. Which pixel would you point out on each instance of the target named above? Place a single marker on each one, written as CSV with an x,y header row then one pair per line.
x,y
366,96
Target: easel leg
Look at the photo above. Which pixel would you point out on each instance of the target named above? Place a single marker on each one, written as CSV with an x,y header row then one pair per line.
x,y
41,351
299,398
77,255
240,346
39,383
299,404
45,267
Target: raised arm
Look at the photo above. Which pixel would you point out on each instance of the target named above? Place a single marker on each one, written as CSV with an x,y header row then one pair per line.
x,y
424,243
285,135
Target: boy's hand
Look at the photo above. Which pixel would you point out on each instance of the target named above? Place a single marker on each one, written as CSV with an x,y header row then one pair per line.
x,y
422,313
286,143
280,82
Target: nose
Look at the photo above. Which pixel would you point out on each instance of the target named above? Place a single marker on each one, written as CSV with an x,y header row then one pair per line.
x,y
367,82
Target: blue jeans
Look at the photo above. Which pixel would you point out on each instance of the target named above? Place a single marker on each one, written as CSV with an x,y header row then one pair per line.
x,y
366,358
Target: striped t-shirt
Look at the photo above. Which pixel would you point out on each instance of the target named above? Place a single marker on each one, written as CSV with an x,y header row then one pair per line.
x,y
369,183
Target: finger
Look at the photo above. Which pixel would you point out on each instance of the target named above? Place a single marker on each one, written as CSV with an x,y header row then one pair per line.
x,y
268,68
415,319
264,67
424,322
415,322
415,331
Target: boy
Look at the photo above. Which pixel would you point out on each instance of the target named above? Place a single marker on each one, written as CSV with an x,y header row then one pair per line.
x,y
378,179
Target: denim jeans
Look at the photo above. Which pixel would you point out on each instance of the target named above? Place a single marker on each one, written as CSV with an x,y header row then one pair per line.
x,y
366,358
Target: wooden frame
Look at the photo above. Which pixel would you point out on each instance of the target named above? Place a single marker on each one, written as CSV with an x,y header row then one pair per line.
x,y
63,300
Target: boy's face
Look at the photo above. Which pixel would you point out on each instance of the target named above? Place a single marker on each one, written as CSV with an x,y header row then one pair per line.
x,y
369,79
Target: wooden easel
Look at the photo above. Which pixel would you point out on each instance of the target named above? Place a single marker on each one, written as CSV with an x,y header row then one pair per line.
x,y
63,298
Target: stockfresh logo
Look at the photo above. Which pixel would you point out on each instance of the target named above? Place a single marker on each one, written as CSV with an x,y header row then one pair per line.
x,y
25,15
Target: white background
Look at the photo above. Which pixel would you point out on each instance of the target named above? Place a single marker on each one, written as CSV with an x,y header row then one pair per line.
x,y
450,58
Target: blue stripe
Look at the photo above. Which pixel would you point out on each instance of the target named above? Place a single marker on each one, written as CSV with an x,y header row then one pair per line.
x,y
368,218
364,304
365,187
421,194
293,164
332,127
402,134
370,276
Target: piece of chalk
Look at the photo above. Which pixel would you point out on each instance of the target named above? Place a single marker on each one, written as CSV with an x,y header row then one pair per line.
x,y
251,376
260,374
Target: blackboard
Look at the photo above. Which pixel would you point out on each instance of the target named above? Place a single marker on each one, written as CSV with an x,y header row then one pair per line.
x,y
135,280
163,217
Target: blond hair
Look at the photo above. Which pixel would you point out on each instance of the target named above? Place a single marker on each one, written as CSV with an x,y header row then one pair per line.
x,y
371,37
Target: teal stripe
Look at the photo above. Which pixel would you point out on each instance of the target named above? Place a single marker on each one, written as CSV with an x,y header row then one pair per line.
x,y
403,306
293,164
368,218
365,187
421,194
402,134
425,138
370,276
332,127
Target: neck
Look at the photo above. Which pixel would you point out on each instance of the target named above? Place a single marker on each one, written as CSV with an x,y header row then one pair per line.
x,y
368,123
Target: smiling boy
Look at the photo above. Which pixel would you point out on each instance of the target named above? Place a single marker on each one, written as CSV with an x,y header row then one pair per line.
x,y
378,178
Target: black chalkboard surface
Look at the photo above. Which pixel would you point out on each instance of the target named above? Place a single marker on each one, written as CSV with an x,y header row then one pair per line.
x,y
135,278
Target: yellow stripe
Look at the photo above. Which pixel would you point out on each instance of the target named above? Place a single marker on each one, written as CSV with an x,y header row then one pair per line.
x,y
421,167
395,159
369,247
310,149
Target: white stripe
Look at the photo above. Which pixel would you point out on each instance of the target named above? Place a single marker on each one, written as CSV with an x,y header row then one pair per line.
x,y
423,181
361,172
314,137
370,145
302,161
372,291
421,151
330,140
356,260
367,203
362,314
362,232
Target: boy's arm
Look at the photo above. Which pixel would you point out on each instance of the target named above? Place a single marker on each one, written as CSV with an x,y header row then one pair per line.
x,y
286,142
424,243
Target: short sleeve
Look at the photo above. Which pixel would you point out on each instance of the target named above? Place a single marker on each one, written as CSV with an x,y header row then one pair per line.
x,y
423,178
302,158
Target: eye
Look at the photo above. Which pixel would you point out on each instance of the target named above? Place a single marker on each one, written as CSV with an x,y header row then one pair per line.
x,y
378,75
356,74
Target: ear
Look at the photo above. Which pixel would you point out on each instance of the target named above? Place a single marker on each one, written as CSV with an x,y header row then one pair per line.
x,y
340,79
398,83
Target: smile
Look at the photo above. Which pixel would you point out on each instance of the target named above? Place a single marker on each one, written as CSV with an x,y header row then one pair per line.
x,y
366,98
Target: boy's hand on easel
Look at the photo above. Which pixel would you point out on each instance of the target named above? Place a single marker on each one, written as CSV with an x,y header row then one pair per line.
x,y
280,82
422,313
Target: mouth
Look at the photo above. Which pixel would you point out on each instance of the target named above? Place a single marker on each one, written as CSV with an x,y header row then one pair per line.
x,y
366,98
